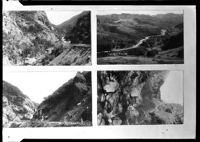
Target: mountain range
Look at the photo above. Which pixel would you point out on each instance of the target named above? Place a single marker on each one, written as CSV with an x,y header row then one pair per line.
x,y
140,35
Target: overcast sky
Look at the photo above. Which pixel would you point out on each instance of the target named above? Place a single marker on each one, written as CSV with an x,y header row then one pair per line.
x,y
37,85
139,12
172,89
58,17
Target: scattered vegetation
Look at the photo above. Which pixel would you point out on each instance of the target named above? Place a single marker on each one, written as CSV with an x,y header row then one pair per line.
x,y
151,34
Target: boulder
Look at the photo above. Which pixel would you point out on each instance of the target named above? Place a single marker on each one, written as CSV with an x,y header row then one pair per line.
x,y
111,87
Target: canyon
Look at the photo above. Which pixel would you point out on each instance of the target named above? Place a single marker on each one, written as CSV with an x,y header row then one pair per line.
x,y
29,38
69,105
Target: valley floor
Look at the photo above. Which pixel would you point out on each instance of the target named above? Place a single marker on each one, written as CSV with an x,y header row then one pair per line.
x,y
137,60
29,123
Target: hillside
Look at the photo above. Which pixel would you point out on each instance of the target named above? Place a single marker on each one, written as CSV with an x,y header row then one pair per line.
x,y
128,29
140,39
134,98
77,29
16,106
71,102
77,54
29,38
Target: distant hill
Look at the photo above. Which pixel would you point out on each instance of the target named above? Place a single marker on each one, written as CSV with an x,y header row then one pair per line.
x,y
16,105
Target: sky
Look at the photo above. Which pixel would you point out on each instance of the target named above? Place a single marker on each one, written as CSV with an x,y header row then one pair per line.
x,y
37,85
172,89
58,17
140,12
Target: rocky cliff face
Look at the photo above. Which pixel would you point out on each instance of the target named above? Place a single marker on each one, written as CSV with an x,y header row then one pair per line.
x,y
30,39
72,102
134,97
16,106
26,34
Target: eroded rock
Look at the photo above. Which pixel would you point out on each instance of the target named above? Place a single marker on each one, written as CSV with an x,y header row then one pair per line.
x,y
134,97
16,106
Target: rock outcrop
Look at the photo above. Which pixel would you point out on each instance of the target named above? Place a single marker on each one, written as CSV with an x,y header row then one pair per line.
x,y
17,107
26,34
136,100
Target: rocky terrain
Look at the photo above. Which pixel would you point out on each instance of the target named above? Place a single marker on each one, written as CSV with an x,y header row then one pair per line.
x,y
29,38
69,106
140,39
16,106
134,98
32,123
70,102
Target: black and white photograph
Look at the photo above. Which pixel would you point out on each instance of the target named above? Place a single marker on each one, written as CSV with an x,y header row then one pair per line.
x,y
47,99
46,38
140,37
140,97
98,71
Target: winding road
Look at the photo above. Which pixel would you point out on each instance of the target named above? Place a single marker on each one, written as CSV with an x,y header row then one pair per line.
x,y
134,46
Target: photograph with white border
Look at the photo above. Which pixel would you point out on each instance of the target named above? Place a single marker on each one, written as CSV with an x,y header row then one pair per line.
x,y
140,97
140,37
46,38
168,131
47,99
